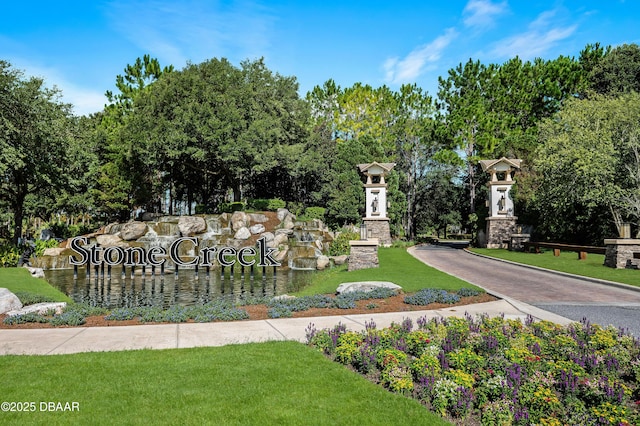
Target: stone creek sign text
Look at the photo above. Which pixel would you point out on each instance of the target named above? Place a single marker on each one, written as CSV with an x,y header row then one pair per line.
x,y
261,255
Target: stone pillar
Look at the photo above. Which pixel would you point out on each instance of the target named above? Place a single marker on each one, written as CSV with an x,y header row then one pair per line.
x,y
619,253
363,254
499,231
379,229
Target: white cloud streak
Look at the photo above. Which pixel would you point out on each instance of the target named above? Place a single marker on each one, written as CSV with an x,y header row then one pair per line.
x,y
481,14
421,59
177,32
542,35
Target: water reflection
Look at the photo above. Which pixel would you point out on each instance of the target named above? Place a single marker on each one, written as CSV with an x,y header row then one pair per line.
x,y
185,288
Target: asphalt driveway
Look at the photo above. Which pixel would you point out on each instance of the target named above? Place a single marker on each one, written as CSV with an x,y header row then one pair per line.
x,y
571,297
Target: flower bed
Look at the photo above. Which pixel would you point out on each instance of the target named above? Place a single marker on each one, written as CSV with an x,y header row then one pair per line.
x,y
496,371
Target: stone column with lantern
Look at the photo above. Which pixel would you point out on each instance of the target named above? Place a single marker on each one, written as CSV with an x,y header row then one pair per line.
x,y
501,221
376,203
374,229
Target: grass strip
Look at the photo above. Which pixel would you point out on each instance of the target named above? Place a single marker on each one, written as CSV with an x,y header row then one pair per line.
x,y
395,265
19,280
283,383
592,266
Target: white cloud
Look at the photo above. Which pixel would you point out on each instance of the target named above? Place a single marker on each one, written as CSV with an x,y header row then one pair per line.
x,y
542,35
84,101
177,32
418,61
481,13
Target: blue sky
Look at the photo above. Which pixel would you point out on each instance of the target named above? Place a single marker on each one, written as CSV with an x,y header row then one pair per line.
x,y
80,46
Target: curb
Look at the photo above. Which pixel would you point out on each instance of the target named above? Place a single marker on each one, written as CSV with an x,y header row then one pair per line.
x,y
564,274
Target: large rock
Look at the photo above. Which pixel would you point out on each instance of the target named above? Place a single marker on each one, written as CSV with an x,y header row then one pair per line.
x,y
133,230
280,238
289,221
8,301
110,240
239,220
268,237
257,229
35,272
282,213
340,260
366,286
40,308
191,225
322,262
53,251
242,233
258,217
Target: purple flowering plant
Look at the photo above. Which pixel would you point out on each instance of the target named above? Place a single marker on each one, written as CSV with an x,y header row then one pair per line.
x,y
492,370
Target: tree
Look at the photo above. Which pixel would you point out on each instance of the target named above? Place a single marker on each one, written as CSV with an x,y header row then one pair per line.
x,y
617,70
463,99
34,136
213,127
416,145
588,164
122,179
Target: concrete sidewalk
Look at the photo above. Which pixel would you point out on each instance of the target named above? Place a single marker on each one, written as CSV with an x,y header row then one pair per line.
x,y
52,341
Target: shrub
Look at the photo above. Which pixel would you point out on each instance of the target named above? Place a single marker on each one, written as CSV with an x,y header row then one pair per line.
x,y
528,381
314,213
9,255
340,245
431,295
275,204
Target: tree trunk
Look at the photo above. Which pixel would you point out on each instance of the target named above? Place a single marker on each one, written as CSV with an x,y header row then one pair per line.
x,y
18,214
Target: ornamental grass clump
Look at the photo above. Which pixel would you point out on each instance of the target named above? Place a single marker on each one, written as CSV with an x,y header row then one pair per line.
x,y
497,371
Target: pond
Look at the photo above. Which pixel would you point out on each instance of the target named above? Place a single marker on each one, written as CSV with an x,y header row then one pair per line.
x,y
186,288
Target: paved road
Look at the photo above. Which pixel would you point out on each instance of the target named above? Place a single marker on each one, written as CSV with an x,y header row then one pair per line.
x,y
570,297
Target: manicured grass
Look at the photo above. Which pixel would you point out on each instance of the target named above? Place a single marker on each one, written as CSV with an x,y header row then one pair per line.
x,y
18,280
592,266
395,265
268,383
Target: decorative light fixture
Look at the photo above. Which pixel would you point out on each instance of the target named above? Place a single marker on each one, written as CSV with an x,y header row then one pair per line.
x,y
363,231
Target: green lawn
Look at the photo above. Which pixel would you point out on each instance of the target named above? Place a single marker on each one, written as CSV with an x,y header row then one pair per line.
x,y
592,266
395,265
19,280
284,383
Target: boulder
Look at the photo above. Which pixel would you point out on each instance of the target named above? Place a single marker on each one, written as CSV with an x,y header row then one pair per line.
x,y
288,222
280,238
133,230
239,220
322,262
191,225
282,213
340,260
367,286
257,229
110,240
258,217
268,237
242,233
36,272
8,301
40,309
53,251
281,254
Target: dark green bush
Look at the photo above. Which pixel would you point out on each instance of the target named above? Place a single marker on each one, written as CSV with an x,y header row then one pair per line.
x,y
275,204
340,245
315,213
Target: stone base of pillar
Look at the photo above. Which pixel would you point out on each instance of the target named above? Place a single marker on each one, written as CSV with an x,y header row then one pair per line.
x,y
363,254
379,228
499,231
619,253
